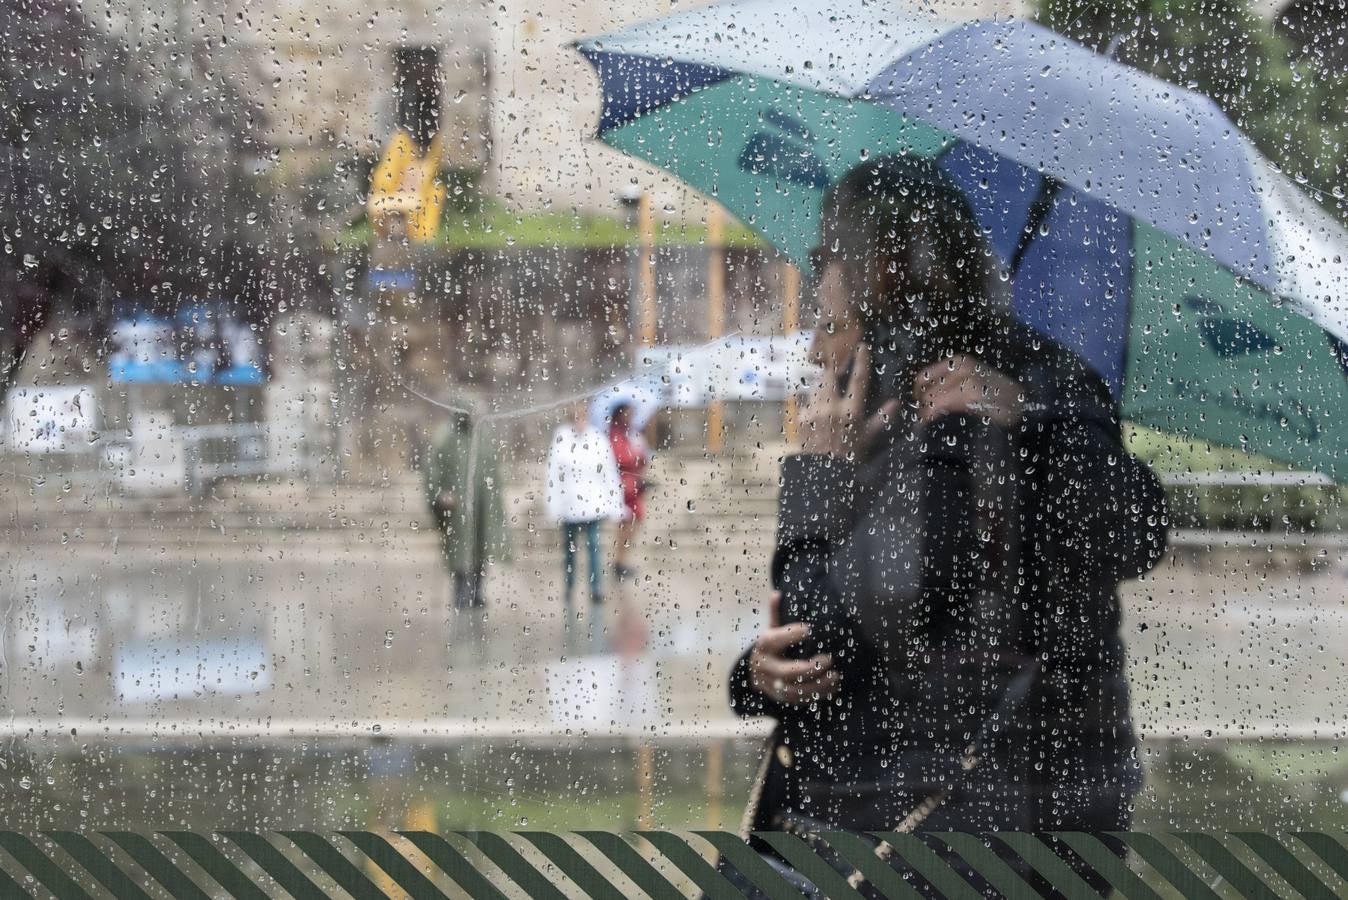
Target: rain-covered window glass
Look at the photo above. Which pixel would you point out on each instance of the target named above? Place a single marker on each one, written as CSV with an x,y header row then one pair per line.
x,y
528,423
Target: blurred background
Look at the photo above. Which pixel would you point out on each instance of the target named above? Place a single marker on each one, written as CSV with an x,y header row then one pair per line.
x,y
255,252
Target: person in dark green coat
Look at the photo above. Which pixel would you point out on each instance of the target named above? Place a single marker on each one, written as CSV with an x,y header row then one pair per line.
x,y
472,529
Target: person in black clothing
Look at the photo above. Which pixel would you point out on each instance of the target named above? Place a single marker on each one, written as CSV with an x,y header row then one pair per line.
x,y
951,538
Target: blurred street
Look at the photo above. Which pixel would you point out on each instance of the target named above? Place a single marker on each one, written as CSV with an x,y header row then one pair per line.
x,y
328,605
340,348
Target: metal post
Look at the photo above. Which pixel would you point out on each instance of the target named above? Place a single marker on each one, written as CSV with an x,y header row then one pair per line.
x,y
790,324
715,315
715,782
645,785
646,269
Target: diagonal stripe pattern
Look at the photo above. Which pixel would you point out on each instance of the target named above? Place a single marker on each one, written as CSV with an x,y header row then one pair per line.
x,y
663,864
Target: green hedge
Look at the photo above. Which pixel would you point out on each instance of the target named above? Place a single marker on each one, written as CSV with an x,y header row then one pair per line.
x,y
494,227
1258,507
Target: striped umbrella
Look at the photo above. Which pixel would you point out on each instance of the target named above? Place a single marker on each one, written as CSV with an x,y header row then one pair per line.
x,y
1140,227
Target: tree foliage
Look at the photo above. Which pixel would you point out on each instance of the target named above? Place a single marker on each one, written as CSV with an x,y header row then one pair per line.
x,y
111,188
1285,95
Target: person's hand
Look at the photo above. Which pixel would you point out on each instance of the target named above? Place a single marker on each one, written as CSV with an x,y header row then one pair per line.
x,y
963,384
834,422
446,501
782,679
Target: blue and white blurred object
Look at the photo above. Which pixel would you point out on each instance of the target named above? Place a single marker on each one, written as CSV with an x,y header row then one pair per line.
x,y
1206,289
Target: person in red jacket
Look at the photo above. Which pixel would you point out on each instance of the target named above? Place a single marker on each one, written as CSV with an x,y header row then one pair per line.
x,y
629,451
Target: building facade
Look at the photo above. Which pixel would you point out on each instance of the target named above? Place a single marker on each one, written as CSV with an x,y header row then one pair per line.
x,y
515,100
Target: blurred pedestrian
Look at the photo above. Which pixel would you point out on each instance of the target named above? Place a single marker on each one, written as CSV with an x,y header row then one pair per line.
x,y
944,647
583,490
629,450
472,528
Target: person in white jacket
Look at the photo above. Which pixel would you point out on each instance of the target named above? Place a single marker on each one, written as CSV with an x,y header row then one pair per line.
x,y
583,489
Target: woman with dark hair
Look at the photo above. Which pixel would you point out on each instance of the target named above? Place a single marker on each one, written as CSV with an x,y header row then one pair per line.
x,y
944,648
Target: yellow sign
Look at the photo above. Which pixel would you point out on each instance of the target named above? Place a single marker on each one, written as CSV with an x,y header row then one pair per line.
x,y
407,195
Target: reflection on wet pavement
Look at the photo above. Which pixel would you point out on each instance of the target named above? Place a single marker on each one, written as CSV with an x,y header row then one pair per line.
x,y
354,626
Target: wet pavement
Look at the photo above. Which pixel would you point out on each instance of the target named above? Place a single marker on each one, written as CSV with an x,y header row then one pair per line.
x,y
342,621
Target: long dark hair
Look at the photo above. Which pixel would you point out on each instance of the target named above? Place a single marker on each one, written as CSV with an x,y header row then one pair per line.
x,y
924,279
904,212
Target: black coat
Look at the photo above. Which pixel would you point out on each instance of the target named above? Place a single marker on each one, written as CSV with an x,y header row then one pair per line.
x,y
955,555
